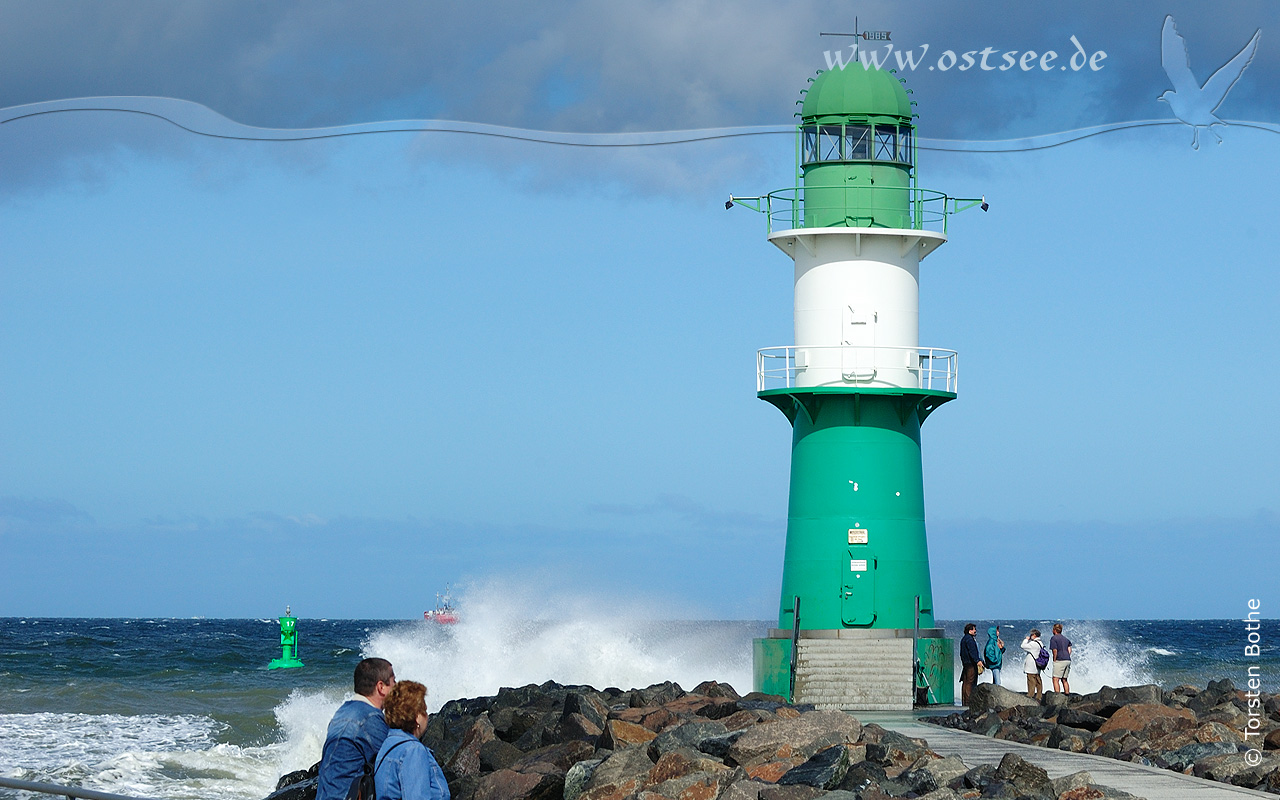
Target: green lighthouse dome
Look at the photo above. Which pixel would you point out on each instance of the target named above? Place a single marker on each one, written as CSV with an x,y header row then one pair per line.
x,y
855,91
857,150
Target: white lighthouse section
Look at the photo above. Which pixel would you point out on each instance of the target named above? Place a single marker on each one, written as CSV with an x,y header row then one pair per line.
x,y
857,310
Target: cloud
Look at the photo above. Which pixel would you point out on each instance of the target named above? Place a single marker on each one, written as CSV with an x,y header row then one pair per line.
x,y
592,66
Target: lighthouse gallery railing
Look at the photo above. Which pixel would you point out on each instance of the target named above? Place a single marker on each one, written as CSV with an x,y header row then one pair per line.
x,y
929,368
916,208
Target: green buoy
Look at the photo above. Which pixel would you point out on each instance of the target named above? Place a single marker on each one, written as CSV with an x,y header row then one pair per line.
x,y
288,643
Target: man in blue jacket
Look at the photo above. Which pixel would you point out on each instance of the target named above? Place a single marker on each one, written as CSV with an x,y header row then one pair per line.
x,y
355,732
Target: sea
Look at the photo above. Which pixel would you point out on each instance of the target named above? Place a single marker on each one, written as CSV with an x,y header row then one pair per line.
x,y
187,709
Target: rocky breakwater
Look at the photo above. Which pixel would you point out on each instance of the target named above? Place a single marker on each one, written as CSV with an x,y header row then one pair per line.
x,y
1218,732
662,743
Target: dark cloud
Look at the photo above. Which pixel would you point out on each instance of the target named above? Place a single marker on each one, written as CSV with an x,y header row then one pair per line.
x,y
590,66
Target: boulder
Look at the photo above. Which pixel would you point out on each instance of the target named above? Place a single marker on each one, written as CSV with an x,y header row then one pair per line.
x,y
1183,758
1137,716
1075,780
989,697
691,734
824,770
1147,694
618,775
619,735
929,774
575,780
506,784
894,749
1272,740
1024,778
497,754
1080,719
718,746
466,759
1073,740
804,736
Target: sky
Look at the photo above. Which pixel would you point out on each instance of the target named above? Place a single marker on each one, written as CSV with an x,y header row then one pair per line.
x,y
512,345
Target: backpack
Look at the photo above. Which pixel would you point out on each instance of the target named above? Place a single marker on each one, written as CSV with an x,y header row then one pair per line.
x,y
1042,660
363,787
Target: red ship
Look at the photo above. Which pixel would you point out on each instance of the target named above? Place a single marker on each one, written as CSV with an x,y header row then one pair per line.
x,y
444,613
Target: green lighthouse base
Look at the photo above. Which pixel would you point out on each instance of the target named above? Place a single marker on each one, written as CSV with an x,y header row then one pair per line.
x,y
856,670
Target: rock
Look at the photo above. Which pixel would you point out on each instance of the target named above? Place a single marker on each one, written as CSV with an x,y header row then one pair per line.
x,y
661,693
1075,780
895,749
554,759
589,705
989,697
863,774
1056,700
940,794
1024,778
1272,740
1080,719
466,759
578,726
619,775
742,790
506,784
1216,732
304,789
1082,793
803,736
577,777
1073,740
718,746
1220,767
714,689
673,764
1184,757
771,771
929,774
980,777
497,754
619,735
1147,694
691,734
790,793
824,770
1137,716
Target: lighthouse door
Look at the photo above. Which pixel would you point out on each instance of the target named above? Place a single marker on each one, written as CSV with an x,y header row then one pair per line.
x,y
859,590
858,340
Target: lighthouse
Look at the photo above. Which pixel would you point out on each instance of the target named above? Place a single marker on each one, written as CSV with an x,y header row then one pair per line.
x,y
856,623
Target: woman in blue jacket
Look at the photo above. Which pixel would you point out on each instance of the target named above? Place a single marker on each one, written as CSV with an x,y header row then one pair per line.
x,y
993,654
405,769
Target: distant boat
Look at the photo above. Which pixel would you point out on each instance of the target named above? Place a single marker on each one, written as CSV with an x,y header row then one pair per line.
x,y
444,613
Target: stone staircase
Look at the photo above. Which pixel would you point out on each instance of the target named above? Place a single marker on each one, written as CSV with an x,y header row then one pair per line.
x,y
861,674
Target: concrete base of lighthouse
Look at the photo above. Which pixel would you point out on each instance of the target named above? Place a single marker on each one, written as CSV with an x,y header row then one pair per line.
x,y
857,669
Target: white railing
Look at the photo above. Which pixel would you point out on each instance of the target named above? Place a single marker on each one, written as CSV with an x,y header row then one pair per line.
x,y
929,368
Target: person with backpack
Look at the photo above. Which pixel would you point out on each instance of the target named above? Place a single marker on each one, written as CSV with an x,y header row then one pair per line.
x,y
1037,659
355,733
993,653
405,768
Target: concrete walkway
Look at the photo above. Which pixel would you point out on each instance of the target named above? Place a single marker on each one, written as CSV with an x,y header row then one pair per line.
x,y
974,749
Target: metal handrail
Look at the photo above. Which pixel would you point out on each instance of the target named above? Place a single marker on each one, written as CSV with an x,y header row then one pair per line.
x,y
925,209
936,369
69,792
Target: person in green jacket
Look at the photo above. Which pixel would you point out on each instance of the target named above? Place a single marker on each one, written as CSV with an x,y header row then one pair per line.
x,y
993,654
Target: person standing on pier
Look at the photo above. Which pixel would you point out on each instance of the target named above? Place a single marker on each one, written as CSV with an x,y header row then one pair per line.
x,y
993,653
970,658
1061,647
1031,666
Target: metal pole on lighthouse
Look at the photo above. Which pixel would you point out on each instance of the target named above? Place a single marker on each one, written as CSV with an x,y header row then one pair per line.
x,y
856,387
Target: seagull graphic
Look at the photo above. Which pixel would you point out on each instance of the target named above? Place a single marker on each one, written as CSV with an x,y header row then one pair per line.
x,y
1190,102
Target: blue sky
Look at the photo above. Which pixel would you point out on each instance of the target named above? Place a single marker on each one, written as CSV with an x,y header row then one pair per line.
x,y
240,374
